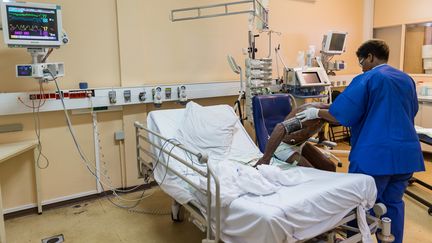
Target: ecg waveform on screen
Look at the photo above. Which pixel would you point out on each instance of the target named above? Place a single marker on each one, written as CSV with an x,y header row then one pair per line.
x,y
28,22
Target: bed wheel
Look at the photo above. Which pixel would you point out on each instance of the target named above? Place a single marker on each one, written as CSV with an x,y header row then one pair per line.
x,y
176,218
430,211
177,214
339,164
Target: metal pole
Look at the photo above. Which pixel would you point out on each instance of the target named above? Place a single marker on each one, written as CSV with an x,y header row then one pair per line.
x,y
209,229
138,152
97,152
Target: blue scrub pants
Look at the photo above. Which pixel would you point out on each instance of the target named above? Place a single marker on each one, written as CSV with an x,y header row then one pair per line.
x,y
391,189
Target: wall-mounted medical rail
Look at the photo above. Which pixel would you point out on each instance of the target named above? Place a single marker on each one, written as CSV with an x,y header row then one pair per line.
x,y
144,134
254,7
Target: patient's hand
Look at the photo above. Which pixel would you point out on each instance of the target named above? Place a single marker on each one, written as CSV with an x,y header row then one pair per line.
x,y
262,161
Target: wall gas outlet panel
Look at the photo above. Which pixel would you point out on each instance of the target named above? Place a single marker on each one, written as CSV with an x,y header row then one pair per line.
x,y
127,96
182,96
168,93
142,96
157,96
112,97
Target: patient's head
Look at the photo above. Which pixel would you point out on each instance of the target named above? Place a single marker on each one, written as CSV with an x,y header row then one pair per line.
x,y
310,127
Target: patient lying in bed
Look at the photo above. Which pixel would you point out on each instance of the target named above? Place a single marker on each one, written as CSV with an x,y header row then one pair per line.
x,y
293,147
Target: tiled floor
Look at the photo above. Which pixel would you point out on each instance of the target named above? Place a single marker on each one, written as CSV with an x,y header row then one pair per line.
x,y
100,221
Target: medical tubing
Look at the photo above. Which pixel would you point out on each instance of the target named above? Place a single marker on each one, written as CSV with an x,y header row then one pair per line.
x,y
202,173
85,160
294,102
263,119
196,153
36,120
141,198
72,132
83,157
106,177
151,212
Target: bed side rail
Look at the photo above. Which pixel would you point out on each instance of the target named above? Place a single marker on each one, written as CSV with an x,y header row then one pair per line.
x,y
142,135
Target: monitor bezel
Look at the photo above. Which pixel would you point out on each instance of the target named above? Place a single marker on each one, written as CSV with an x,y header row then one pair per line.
x,y
329,35
31,43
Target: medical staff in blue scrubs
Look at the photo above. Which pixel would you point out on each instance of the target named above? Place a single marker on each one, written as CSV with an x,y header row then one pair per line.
x,y
379,106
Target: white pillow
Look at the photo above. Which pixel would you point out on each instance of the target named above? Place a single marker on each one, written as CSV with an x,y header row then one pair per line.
x,y
208,129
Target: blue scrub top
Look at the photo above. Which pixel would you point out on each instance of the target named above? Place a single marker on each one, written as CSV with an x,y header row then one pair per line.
x,y
379,106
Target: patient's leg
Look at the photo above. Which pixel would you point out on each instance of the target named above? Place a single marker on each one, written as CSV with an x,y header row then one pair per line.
x,y
317,158
301,161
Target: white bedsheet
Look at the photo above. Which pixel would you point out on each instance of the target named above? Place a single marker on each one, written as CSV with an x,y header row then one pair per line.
x,y
292,213
424,131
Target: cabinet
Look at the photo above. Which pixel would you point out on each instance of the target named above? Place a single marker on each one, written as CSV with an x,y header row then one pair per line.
x,y
424,119
419,116
406,42
426,116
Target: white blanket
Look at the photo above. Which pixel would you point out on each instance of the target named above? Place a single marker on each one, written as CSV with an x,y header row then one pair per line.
x,y
237,179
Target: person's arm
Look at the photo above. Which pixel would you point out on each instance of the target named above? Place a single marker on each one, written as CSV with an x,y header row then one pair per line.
x,y
272,144
313,113
325,114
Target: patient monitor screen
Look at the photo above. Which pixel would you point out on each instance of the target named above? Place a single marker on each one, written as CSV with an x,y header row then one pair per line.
x,y
311,77
337,42
30,23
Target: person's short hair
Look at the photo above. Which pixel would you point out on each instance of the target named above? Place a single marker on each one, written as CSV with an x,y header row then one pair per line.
x,y
377,48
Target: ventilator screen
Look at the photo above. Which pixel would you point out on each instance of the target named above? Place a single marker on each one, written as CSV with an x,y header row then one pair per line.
x,y
311,77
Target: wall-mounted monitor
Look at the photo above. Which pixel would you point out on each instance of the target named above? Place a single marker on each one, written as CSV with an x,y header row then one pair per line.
x,y
334,42
31,24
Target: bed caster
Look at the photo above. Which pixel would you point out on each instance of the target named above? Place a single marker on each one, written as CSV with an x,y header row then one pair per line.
x,y
430,211
177,212
385,235
339,164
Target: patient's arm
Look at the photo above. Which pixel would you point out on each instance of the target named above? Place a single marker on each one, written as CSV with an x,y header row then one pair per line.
x,y
272,144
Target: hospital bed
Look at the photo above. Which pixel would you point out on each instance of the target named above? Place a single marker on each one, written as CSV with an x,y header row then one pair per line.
x,y
320,206
425,136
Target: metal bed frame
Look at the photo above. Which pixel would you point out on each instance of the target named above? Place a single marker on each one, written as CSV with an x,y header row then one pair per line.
x,y
204,221
199,218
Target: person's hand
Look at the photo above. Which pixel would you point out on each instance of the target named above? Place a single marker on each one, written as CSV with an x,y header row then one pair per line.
x,y
310,113
262,161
